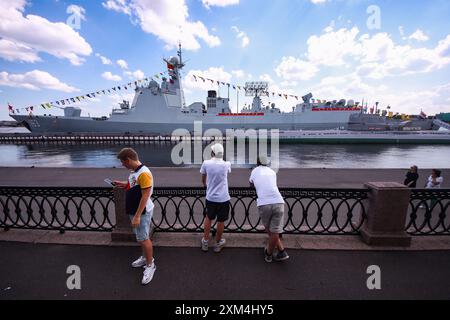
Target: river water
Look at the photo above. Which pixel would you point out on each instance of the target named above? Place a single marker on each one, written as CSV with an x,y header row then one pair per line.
x,y
290,156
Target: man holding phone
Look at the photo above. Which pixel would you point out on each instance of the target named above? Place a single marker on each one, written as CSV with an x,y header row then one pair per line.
x,y
139,208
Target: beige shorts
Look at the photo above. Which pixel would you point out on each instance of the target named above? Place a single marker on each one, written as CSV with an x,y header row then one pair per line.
x,y
272,216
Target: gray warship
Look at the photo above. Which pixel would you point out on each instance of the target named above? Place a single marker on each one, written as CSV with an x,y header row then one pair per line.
x,y
375,122
160,108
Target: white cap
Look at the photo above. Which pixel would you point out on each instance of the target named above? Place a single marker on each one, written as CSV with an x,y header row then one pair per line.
x,y
263,160
218,150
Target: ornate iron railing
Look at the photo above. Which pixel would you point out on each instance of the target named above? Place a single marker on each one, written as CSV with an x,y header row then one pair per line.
x,y
429,212
74,209
308,211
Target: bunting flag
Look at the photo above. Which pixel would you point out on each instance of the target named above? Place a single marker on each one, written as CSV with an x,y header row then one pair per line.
x,y
10,108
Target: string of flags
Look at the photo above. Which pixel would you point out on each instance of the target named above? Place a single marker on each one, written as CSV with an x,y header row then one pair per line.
x,y
198,78
61,104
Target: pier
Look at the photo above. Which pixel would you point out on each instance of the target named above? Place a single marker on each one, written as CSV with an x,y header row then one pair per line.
x,y
305,137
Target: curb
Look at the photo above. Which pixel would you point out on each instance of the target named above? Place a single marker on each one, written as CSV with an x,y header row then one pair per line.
x,y
192,240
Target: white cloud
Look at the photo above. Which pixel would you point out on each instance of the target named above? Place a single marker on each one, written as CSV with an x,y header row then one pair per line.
x,y
381,57
117,5
33,34
219,3
245,40
105,60
123,64
267,78
111,77
319,1
34,80
13,51
292,68
332,47
238,73
419,35
375,56
166,19
136,75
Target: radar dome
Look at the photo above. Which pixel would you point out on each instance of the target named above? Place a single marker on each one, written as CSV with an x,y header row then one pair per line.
x,y
174,61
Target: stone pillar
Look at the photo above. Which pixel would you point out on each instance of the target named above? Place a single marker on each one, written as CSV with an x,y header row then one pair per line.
x,y
123,231
386,215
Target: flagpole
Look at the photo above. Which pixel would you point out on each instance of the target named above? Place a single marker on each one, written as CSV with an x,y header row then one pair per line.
x,y
237,95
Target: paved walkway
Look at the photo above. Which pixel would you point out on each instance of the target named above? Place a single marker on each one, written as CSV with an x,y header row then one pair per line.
x,y
190,177
38,271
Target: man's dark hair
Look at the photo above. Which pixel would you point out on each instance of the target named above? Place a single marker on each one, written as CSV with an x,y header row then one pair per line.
x,y
128,153
437,172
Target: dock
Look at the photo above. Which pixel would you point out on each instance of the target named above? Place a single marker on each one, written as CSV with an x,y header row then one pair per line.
x,y
300,137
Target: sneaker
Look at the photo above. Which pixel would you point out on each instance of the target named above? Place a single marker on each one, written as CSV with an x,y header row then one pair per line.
x,y
281,256
205,244
267,256
139,263
149,271
219,245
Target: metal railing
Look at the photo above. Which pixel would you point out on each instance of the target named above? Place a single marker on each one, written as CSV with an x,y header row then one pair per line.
x,y
429,212
307,211
74,209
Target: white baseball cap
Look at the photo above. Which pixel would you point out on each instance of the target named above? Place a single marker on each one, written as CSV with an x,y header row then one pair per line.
x,y
218,150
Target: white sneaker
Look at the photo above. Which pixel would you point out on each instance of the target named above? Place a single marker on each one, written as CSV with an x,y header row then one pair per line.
x,y
149,271
219,246
140,262
205,244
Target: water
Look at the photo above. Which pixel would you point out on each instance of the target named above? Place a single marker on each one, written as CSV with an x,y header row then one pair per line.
x,y
291,156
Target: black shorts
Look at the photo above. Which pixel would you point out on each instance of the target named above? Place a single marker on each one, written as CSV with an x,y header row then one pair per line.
x,y
219,211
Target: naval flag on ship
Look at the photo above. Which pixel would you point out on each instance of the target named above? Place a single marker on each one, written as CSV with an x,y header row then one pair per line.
x,y
422,114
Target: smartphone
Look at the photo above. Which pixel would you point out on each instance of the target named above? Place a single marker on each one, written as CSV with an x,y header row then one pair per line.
x,y
110,182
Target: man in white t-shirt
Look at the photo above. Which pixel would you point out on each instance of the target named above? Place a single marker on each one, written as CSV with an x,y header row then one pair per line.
x,y
435,180
215,179
271,208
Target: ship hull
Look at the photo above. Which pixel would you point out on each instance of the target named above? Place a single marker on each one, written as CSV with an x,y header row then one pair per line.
x,y
50,124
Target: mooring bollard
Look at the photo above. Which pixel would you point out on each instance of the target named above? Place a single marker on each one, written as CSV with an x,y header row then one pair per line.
x,y
386,215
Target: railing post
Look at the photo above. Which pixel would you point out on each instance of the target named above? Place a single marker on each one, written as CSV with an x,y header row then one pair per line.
x,y
386,215
122,232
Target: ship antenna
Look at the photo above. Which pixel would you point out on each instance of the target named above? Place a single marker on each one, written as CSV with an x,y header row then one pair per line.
x,y
180,53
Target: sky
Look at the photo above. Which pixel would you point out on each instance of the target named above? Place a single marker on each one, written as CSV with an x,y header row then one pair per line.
x,y
396,53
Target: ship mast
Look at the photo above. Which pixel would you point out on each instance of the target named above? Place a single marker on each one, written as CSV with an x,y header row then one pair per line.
x,y
180,55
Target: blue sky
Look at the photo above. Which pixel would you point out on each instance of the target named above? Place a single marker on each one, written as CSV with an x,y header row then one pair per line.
x,y
397,52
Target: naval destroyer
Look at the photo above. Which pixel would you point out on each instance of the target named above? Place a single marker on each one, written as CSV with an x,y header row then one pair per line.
x,y
160,108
